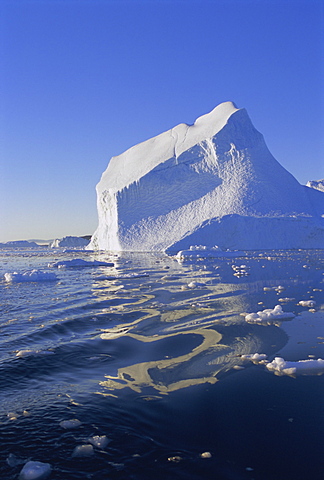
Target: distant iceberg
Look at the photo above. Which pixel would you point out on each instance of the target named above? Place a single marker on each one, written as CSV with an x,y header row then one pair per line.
x,y
317,184
70,242
19,244
211,183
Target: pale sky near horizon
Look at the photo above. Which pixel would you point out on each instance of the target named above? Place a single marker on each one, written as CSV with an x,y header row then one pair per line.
x,y
83,80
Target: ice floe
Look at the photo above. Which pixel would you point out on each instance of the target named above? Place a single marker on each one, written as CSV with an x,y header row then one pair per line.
x,y
307,303
30,276
68,424
269,316
25,353
279,366
79,262
99,441
202,251
83,451
35,471
255,358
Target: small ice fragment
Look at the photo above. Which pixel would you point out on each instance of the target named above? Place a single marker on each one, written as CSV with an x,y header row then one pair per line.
x,y
67,424
35,471
83,451
24,353
175,459
99,441
13,461
255,357
307,303
249,469
195,284
12,415
206,455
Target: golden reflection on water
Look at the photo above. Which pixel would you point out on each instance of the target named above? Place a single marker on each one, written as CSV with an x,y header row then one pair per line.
x,y
137,376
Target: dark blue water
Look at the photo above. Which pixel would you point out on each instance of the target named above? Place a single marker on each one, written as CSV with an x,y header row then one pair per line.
x,y
136,355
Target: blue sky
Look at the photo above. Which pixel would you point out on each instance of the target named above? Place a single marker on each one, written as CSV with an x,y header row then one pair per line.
x,y
83,80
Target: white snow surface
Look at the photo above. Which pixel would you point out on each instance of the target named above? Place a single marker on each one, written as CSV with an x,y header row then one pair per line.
x,y
69,242
269,315
212,183
303,367
30,276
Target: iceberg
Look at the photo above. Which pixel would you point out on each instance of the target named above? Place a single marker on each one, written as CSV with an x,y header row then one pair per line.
x,y
211,183
71,242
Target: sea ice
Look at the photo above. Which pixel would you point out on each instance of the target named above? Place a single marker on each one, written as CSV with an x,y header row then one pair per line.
x,y
68,424
307,303
79,262
255,357
213,182
201,251
269,316
99,441
35,471
83,451
303,367
30,276
24,353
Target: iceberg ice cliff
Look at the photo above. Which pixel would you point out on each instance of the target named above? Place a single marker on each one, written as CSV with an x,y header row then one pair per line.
x,y
211,183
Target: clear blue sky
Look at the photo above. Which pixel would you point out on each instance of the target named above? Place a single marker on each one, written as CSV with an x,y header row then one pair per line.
x,y
83,80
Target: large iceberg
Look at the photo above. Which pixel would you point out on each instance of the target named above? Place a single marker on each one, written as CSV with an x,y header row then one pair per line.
x,y
211,183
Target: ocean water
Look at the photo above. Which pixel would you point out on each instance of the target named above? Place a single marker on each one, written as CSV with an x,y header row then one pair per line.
x,y
148,354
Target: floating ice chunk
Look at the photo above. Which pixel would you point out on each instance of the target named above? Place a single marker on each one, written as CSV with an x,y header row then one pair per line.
x,y
99,441
196,284
201,251
13,460
255,357
79,262
30,276
307,303
303,367
67,424
83,451
24,353
35,471
269,316
206,455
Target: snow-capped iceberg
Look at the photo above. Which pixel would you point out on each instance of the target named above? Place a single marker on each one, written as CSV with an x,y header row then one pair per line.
x,y
212,183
